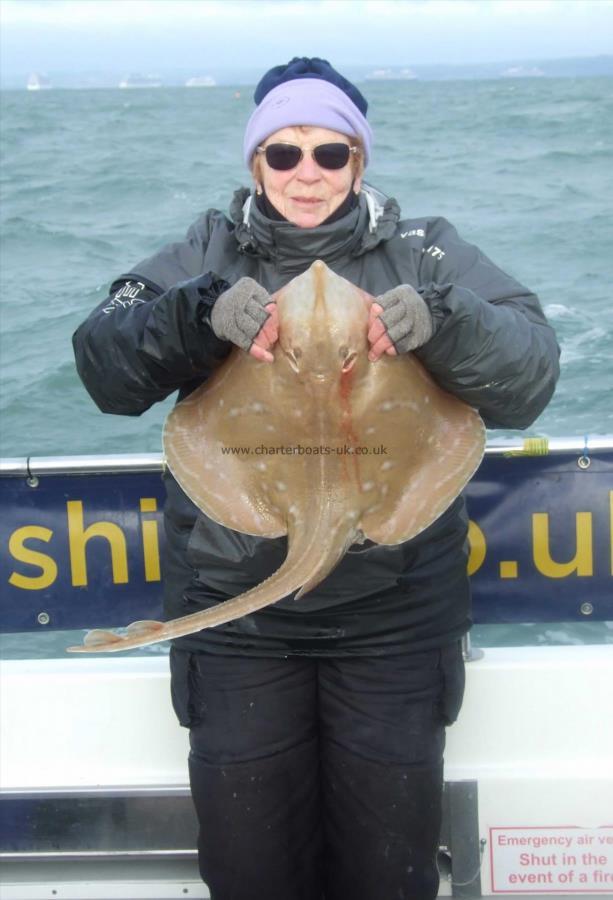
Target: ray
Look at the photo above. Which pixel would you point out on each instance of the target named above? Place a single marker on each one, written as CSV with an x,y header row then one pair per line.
x,y
321,445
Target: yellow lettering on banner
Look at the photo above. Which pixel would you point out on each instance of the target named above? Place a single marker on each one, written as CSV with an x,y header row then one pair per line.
x,y
476,539
151,549
18,550
78,536
509,569
582,562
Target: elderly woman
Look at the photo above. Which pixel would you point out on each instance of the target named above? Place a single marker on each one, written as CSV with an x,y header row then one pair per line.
x,y
317,727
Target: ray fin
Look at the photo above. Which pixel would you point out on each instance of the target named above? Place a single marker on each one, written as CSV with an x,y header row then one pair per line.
x,y
144,628
97,639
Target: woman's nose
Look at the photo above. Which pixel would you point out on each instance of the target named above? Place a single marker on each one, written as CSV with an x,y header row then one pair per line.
x,y
308,170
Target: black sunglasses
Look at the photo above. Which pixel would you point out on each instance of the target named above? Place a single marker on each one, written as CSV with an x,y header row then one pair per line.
x,y
284,157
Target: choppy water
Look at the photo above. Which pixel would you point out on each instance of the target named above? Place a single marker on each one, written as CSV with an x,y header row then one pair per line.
x,y
93,181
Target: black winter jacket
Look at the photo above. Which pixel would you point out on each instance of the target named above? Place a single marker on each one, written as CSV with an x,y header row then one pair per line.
x,y
491,346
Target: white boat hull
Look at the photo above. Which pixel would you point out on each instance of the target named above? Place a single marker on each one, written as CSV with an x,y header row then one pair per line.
x,y
532,745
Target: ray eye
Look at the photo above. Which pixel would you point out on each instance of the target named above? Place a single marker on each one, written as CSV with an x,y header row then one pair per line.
x,y
294,354
349,359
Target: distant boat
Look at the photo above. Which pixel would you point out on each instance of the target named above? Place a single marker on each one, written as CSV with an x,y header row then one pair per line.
x,y
201,81
523,72
141,81
37,82
391,75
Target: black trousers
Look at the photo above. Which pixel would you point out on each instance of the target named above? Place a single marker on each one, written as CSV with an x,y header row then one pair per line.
x,y
318,778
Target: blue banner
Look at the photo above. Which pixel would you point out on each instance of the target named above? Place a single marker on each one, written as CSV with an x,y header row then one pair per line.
x,y
82,551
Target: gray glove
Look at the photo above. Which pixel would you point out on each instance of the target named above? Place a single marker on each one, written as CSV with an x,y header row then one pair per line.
x,y
406,317
238,314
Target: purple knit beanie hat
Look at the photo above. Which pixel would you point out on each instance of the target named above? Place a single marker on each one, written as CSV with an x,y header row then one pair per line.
x,y
306,92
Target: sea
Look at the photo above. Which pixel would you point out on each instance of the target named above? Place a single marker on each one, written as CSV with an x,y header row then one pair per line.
x,y
94,180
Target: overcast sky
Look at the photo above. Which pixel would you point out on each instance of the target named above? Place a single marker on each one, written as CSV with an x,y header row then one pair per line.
x,y
202,35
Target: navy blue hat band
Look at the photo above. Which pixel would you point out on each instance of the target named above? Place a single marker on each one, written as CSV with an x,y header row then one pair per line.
x,y
304,67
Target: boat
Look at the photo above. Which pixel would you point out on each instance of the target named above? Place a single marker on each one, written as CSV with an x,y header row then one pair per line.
x,y
94,799
38,82
405,74
523,72
140,81
201,81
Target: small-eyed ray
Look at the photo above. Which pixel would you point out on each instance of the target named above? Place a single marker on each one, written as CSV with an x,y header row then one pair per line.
x,y
321,445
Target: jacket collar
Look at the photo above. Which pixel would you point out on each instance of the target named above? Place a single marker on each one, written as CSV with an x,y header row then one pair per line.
x,y
291,248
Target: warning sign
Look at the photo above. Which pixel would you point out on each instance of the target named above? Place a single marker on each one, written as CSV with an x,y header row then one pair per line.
x,y
552,860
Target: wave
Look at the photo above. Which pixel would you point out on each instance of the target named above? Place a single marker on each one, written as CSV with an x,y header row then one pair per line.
x,y
93,182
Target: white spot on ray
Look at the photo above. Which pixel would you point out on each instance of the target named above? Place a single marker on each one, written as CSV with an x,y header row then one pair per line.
x,y
368,485
388,405
261,466
388,464
280,485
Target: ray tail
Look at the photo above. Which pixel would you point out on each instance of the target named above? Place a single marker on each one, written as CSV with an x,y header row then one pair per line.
x,y
314,549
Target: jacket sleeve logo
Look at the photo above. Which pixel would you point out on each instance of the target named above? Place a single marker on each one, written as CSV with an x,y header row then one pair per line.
x,y
126,296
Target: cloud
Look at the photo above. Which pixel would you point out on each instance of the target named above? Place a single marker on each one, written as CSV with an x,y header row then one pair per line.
x,y
156,34
121,13
71,14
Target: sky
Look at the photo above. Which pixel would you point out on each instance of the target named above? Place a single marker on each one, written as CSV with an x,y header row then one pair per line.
x,y
206,35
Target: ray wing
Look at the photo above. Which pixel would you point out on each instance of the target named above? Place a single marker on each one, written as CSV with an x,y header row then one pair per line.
x,y
224,445
424,445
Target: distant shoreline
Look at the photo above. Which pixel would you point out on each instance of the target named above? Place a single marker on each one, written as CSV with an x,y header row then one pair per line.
x,y
571,67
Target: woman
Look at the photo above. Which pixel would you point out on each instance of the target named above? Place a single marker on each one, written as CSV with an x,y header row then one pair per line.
x,y
317,727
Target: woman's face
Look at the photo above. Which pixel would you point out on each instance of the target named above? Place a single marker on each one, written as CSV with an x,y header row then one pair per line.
x,y
307,194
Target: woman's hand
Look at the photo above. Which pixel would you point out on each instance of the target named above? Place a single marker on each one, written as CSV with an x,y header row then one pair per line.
x,y
246,315
267,336
378,338
399,321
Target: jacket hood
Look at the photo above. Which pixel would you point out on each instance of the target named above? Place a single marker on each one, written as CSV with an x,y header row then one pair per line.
x,y
373,220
